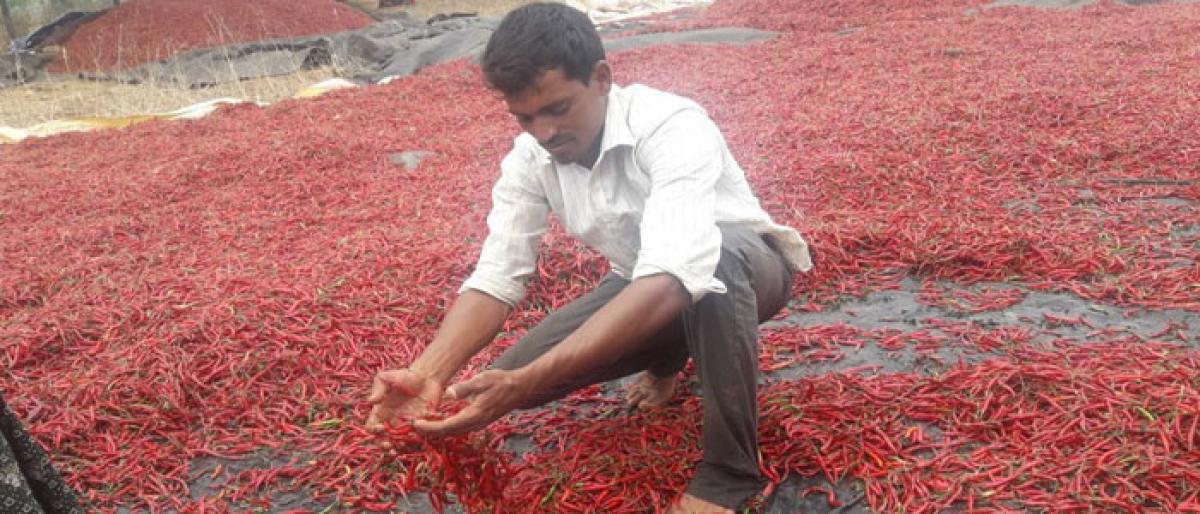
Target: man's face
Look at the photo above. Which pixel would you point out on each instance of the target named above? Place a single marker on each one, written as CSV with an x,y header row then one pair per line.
x,y
566,116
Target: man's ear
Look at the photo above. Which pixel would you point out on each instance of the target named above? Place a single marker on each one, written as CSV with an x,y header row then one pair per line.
x,y
602,76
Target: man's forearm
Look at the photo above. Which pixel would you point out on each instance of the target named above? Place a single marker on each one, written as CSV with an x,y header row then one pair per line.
x,y
470,324
641,309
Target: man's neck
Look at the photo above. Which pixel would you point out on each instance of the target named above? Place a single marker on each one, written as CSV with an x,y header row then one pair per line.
x,y
593,155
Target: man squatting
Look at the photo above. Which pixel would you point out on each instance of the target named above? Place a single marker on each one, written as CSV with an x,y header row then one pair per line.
x,y
645,178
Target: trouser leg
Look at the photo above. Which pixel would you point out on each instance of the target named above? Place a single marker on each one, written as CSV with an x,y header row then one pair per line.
x,y
722,337
720,332
660,353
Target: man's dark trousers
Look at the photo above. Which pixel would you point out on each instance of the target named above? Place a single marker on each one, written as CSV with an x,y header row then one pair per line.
x,y
720,333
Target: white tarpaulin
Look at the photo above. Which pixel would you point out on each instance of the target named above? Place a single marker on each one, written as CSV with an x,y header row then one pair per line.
x,y
605,11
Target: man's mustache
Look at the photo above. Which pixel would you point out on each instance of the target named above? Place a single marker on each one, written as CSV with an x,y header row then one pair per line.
x,y
555,141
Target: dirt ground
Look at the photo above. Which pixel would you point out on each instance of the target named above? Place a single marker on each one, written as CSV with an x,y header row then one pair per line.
x,y
38,102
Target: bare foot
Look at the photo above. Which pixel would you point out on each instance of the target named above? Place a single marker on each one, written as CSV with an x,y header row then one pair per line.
x,y
689,504
648,390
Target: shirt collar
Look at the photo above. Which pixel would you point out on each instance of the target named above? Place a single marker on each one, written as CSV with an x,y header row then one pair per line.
x,y
616,126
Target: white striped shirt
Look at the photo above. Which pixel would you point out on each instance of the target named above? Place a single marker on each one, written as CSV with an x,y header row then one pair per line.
x,y
652,203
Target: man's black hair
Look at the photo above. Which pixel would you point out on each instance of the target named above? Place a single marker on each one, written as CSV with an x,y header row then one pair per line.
x,y
537,38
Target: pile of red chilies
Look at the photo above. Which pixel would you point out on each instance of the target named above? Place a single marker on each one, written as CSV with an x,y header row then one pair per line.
x,y
971,302
136,32
1096,427
225,288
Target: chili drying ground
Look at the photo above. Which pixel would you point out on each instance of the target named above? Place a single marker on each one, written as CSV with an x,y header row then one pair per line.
x,y
141,31
178,296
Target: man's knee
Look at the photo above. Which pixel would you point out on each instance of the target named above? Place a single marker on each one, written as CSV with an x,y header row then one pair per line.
x,y
733,269
747,262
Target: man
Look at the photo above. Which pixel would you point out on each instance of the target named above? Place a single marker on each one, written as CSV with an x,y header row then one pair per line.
x,y
645,178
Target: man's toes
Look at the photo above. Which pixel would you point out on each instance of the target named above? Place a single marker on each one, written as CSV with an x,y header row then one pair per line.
x,y
636,391
659,392
648,391
635,396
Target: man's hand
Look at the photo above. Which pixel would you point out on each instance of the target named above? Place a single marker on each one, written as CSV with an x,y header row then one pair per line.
x,y
401,394
413,393
493,394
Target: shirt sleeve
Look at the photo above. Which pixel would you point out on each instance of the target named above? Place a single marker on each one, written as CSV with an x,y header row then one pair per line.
x,y
516,224
684,159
